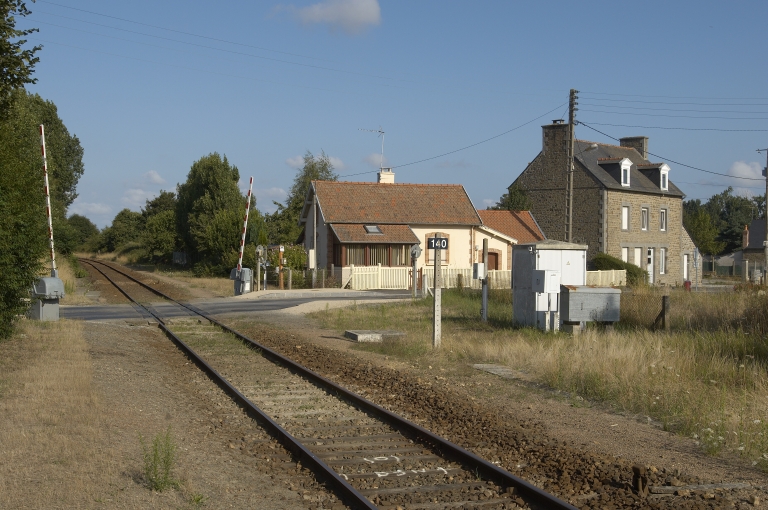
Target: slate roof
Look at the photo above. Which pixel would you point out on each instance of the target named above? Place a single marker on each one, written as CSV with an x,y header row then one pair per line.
x,y
605,153
756,235
390,234
517,224
394,204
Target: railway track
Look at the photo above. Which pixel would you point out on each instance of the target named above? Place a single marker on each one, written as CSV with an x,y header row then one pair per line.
x,y
371,457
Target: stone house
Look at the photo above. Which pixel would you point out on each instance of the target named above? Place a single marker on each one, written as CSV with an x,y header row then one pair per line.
x,y
372,223
753,237
623,204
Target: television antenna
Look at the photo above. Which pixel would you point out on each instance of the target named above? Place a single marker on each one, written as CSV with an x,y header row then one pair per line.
x,y
381,134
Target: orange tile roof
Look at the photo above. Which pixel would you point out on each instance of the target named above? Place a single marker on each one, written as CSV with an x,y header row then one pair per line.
x,y
517,224
395,204
390,234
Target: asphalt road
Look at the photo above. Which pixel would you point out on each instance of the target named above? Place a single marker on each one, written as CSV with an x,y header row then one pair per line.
x,y
212,307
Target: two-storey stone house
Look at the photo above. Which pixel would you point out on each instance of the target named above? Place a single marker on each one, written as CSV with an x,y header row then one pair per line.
x,y
623,204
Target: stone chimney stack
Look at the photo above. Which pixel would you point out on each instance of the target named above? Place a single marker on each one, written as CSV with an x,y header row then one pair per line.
x,y
386,176
639,143
555,137
745,237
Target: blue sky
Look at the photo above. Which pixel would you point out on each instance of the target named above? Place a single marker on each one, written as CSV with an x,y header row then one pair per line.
x,y
150,87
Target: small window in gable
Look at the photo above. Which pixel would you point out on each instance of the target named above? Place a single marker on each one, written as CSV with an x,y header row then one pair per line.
x,y
664,184
373,229
625,176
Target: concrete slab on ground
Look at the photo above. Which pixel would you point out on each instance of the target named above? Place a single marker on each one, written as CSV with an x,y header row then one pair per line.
x,y
370,335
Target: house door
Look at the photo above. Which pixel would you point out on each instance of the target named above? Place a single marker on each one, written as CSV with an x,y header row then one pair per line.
x,y
493,261
685,267
650,265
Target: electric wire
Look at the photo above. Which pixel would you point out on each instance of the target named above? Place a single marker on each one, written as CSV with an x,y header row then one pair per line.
x,y
463,148
180,31
676,116
677,128
671,160
195,44
671,109
674,97
674,102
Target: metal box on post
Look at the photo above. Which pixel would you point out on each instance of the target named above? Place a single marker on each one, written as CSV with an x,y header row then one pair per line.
x,y
529,306
243,280
46,293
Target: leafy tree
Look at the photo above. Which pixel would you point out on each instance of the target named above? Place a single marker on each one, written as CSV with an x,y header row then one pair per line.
x,y
729,214
515,199
16,63
165,201
83,228
159,236
23,231
701,228
209,210
126,228
283,225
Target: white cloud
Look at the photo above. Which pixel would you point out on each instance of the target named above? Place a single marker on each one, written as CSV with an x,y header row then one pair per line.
x,y
489,202
374,160
154,177
743,169
350,16
136,198
265,197
337,163
86,208
295,162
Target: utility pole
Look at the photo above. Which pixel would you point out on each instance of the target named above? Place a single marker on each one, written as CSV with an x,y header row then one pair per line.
x,y
484,314
765,216
569,183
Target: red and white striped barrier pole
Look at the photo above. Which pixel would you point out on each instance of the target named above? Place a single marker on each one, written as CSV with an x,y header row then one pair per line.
x,y
54,271
245,225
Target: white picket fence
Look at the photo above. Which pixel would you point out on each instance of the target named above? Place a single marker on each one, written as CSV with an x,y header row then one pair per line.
x,y
378,277
607,278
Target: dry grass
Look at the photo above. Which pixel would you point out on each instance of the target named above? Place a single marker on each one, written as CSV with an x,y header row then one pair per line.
x,y
49,419
707,378
67,275
220,287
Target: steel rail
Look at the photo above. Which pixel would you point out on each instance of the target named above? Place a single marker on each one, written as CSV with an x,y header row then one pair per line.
x,y
491,471
349,493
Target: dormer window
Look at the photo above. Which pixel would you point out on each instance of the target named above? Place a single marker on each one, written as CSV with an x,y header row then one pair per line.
x,y
664,177
626,164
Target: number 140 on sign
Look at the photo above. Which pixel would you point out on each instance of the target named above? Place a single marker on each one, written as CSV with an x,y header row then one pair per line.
x,y
437,243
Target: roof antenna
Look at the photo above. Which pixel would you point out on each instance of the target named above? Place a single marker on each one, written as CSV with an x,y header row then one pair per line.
x,y
381,134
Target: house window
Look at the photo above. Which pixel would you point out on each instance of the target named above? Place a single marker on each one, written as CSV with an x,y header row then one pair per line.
x,y
644,218
662,260
355,255
625,167
401,255
378,254
625,217
430,254
638,257
625,254
663,220
685,267
373,229
663,182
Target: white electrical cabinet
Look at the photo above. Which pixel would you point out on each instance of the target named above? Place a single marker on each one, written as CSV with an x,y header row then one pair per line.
x,y
538,270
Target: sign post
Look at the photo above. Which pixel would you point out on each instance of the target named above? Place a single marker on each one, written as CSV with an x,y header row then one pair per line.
x,y
280,262
415,253
438,244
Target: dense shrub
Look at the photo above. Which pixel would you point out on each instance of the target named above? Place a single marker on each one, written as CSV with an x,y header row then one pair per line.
x,y
635,275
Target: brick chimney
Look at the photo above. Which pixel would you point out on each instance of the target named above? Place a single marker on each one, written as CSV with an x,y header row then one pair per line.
x,y
639,143
554,136
745,237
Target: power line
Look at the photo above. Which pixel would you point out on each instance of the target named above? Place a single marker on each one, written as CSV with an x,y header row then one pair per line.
x,y
677,116
677,97
463,148
676,102
677,128
671,109
180,31
673,161
194,44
